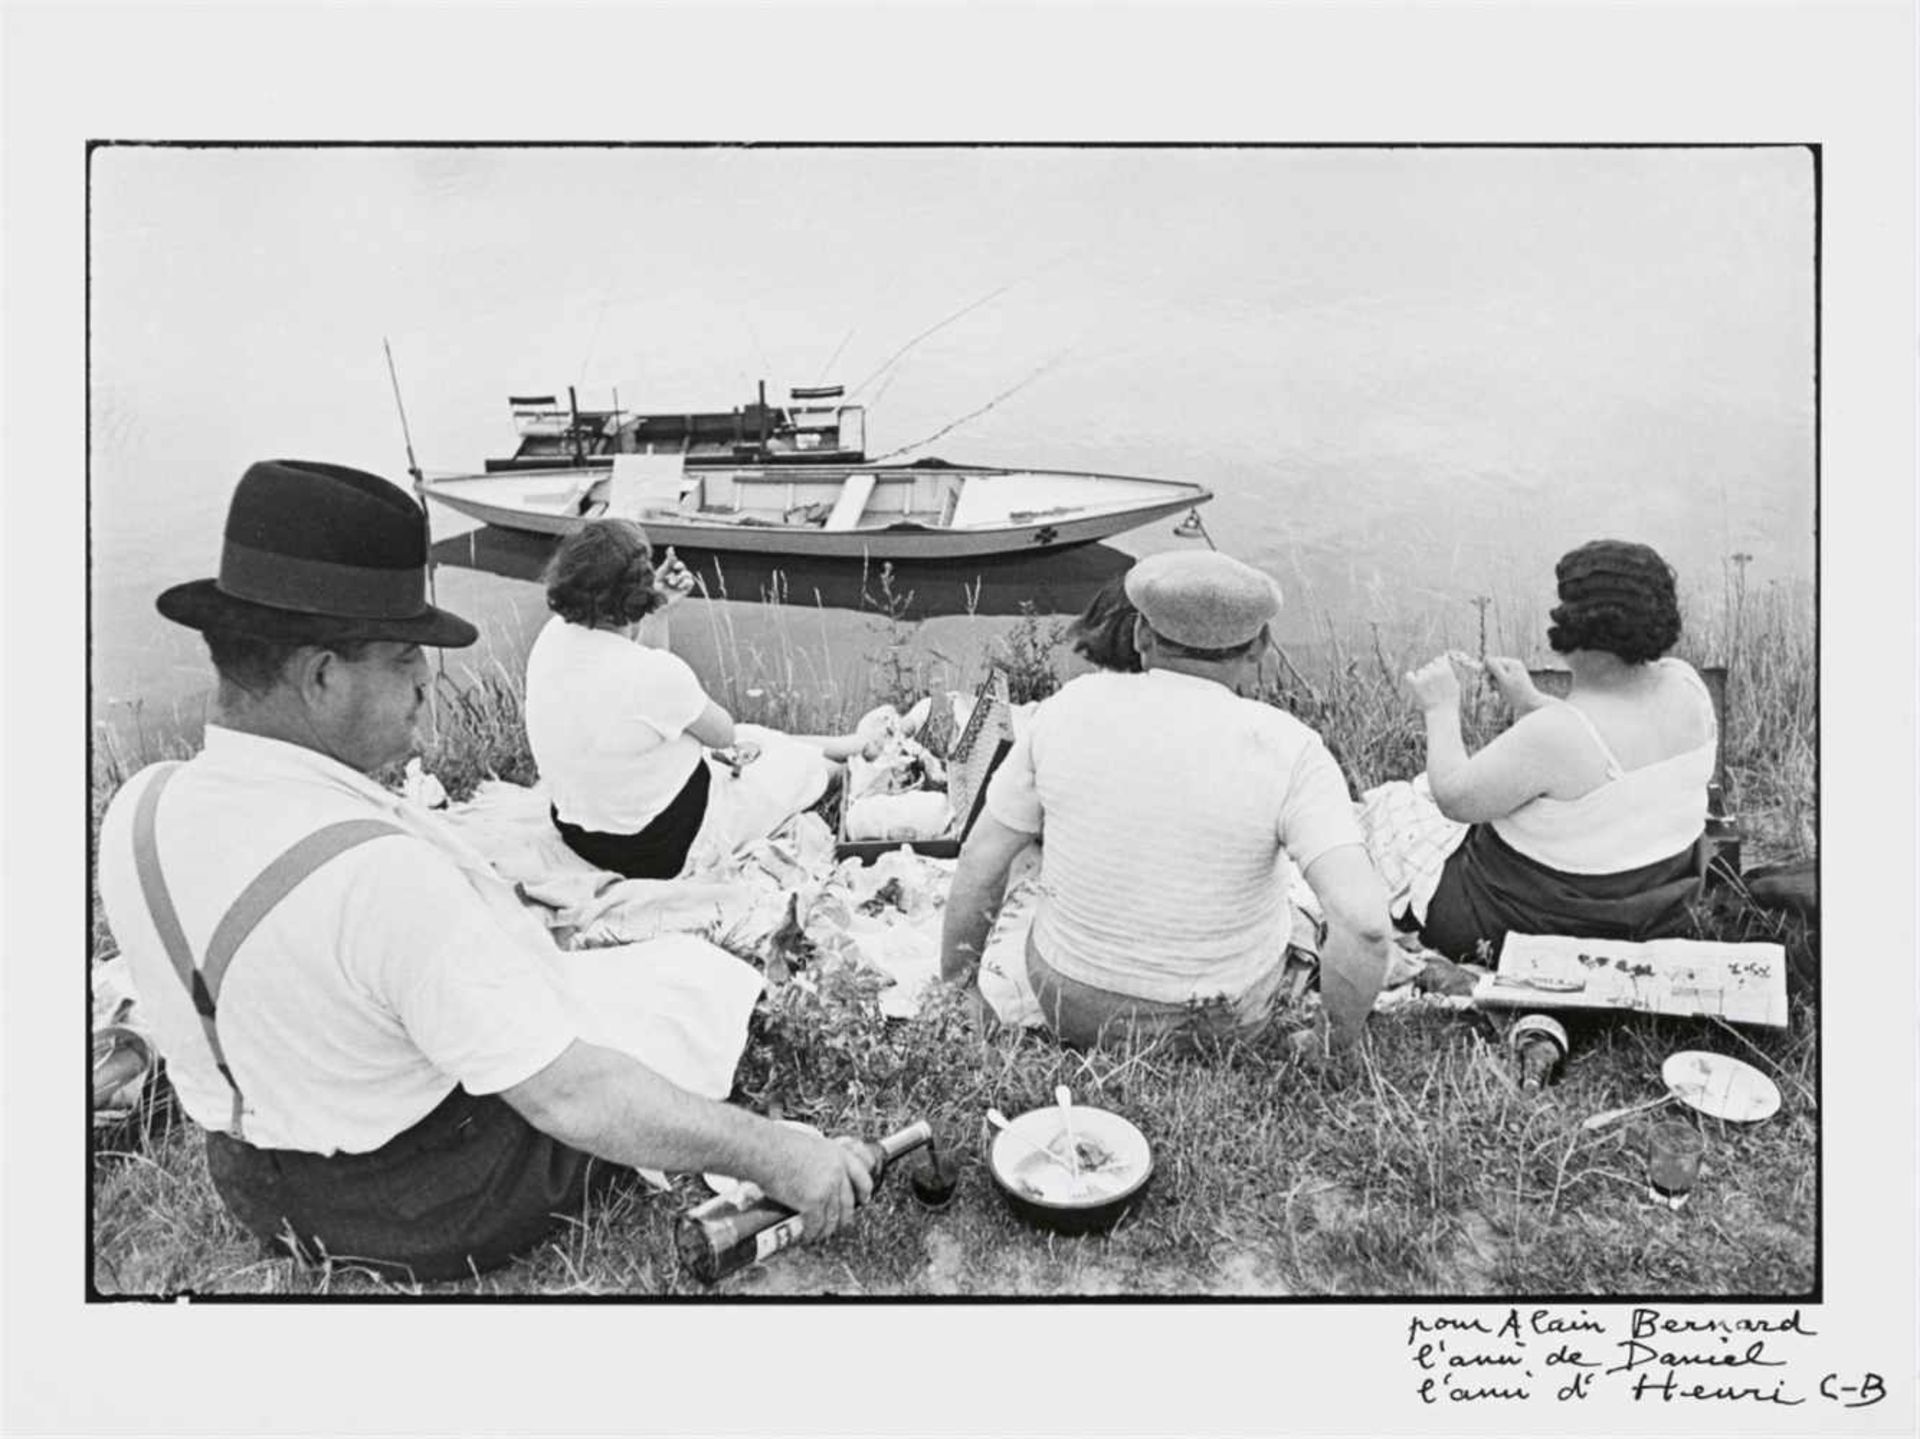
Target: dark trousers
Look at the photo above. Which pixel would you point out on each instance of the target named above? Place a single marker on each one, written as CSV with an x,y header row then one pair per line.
x,y
466,1189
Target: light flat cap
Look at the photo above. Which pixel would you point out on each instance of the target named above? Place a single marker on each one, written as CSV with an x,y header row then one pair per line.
x,y
1202,599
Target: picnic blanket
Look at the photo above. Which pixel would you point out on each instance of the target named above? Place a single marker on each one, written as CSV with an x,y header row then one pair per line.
x,y
884,917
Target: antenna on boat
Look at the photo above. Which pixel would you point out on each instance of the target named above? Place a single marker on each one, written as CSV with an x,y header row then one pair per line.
x,y
413,467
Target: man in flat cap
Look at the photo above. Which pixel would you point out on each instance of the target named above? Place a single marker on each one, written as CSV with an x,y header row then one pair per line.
x,y
1171,811
357,1010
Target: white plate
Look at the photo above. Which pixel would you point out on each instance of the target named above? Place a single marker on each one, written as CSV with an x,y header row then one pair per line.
x,y
723,1184
1720,1085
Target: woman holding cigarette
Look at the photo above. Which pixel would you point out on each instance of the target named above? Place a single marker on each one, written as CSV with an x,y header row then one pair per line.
x,y
643,768
1583,815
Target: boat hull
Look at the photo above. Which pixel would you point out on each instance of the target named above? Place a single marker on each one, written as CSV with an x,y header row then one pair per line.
x,y
509,501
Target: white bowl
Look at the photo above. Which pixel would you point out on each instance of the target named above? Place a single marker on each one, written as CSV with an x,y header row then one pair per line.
x,y
1027,1163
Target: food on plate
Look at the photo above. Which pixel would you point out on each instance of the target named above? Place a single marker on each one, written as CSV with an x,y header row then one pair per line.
x,y
1049,1175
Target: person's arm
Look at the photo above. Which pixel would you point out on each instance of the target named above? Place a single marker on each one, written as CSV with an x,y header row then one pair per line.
x,y
483,1008
1516,686
1354,961
611,1105
1517,766
867,739
979,884
655,631
713,727
665,694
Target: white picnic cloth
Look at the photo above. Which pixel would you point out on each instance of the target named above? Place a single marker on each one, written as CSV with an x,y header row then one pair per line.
x,y
738,898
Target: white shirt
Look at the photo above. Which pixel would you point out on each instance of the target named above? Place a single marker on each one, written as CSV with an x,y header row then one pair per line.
x,y
1171,809
374,987
606,721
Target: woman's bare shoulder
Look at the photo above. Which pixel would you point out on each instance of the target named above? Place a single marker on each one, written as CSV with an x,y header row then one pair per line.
x,y
1555,724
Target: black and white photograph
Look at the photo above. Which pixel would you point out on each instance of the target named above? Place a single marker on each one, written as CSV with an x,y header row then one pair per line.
x,y
1281,731
1018,734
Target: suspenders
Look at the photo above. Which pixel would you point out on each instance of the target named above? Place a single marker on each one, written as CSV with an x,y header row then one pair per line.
x,y
256,901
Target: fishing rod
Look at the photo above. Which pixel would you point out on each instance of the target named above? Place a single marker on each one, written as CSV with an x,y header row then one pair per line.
x,y
413,467
998,399
824,369
894,358
933,329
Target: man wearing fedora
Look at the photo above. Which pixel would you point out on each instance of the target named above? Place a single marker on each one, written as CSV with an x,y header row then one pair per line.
x,y
1171,811
349,1001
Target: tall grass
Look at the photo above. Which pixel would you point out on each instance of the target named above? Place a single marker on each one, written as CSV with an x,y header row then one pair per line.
x,y
1771,744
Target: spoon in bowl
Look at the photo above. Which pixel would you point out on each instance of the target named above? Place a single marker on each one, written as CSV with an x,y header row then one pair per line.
x,y
1064,1098
1000,1122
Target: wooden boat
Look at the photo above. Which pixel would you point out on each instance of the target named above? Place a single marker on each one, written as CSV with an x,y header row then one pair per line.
x,y
927,510
815,426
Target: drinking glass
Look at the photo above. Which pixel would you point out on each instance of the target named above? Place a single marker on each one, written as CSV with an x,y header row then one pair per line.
x,y
1673,1160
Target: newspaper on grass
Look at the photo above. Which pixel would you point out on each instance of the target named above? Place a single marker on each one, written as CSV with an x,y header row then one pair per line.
x,y
1741,983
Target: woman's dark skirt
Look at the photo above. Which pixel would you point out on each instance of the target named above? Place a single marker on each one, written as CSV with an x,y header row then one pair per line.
x,y
464,1190
1489,889
657,852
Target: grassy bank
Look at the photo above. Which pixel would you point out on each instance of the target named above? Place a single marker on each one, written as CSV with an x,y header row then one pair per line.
x,y
1422,1172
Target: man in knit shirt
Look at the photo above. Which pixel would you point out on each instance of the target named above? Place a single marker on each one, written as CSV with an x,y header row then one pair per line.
x,y
1171,811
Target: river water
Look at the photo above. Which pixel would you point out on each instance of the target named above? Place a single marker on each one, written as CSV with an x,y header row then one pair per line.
x,y
1410,376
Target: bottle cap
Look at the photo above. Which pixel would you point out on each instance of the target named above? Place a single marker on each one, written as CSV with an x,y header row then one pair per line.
x,y
1530,1027
906,1140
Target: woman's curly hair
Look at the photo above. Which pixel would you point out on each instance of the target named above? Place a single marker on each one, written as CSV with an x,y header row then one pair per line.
x,y
602,576
1615,596
1102,633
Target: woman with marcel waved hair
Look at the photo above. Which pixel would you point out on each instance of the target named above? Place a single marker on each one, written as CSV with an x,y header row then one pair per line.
x,y
622,730
1583,815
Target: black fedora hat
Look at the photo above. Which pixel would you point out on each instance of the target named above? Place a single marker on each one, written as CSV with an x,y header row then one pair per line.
x,y
317,552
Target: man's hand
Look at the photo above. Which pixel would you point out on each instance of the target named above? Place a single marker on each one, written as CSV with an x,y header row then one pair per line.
x,y
823,1179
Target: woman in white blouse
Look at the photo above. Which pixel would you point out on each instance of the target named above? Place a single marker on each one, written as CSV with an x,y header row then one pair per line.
x,y
623,732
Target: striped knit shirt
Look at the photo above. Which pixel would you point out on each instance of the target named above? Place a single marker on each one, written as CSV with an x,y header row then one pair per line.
x,y
1171,811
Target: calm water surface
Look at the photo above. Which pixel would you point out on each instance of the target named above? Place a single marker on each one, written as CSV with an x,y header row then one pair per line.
x,y
1409,376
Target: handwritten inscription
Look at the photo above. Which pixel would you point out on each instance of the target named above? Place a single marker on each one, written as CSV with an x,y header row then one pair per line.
x,y
1647,1356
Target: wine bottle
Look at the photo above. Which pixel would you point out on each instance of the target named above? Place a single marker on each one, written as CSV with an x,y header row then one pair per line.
x,y
743,1226
1540,1044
